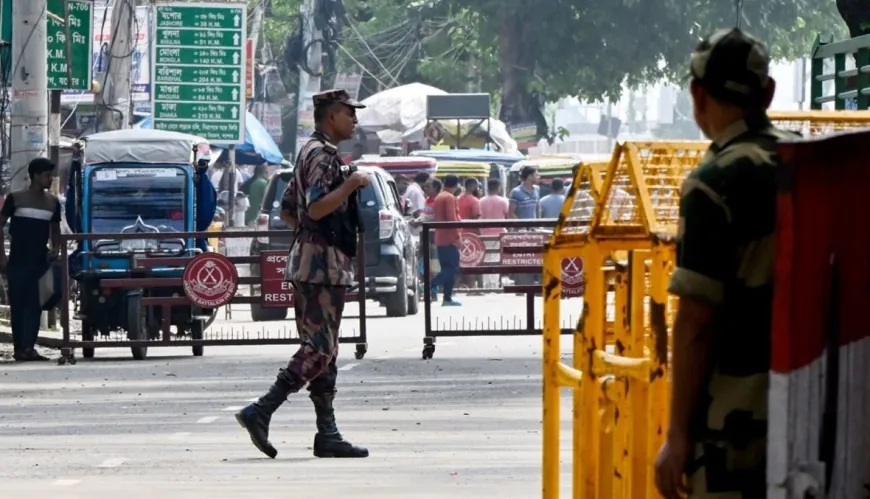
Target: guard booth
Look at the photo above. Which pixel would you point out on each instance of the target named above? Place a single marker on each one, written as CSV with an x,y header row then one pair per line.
x,y
627,247
841,74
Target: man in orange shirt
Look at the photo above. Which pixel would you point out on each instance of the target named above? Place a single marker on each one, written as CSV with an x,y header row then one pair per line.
x,y
447,240
469,209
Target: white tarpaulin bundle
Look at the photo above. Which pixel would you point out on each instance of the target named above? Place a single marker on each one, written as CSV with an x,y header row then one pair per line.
x,y
399,114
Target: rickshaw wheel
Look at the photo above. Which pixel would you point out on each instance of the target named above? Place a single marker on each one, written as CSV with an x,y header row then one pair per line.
x,y
197,332
136,327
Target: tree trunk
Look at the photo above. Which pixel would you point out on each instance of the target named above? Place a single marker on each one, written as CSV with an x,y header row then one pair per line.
x,y
517,66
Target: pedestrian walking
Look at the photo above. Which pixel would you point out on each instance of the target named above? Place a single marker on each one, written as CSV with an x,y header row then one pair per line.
x,y
551,204
447,241
717,440
320,203
469,209
493,206
255,189
34,217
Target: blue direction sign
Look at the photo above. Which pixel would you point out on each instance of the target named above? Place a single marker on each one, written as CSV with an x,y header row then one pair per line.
x,y
198,80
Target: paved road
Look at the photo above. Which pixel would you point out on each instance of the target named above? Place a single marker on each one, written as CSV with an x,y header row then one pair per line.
x,y
465,424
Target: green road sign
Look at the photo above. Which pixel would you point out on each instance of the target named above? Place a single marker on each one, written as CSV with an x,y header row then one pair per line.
x,y
199,70
75,41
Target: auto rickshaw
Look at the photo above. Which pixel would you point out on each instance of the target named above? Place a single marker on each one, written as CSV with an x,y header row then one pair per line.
x,y
137,181
464,170
499,162
400,165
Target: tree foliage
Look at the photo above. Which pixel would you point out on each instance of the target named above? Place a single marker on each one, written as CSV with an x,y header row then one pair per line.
x,y
531,51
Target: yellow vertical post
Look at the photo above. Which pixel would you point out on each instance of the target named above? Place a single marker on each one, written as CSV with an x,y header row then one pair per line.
x,y
606,444
589,338
659,347
552,329
621,466
638,392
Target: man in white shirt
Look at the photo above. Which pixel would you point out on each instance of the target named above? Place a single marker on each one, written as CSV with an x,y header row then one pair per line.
x,y
414,194
218,175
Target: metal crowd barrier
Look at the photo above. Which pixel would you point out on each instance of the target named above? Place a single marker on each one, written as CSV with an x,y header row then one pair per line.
x,y
215,335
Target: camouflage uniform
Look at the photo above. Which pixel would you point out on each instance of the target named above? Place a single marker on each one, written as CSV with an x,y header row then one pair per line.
x,y
320,273
725,258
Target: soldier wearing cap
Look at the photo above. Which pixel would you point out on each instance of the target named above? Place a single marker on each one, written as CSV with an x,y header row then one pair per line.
x,y
717,439
319,203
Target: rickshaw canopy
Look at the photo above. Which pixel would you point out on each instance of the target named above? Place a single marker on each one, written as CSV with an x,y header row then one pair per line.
x,y
146,147
400,165
463,170
476,155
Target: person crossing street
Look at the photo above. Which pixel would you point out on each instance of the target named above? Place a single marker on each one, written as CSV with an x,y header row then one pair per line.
x,y
320,204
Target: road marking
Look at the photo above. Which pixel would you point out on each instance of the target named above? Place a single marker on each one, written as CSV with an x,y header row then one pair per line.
x,y
65,483
385,357
348,367
254,399
112,462
233,408
207,419
181,435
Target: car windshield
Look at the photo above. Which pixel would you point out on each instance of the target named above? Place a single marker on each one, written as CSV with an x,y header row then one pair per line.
x,y
367,194
120,196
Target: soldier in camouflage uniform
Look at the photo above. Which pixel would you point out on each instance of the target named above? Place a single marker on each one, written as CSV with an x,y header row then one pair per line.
x,y
322,187
717,440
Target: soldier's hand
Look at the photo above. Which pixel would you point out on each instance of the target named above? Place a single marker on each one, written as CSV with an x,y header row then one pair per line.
x,y
359,179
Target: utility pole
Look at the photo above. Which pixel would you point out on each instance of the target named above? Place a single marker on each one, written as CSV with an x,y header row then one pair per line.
x,y
308,84
114,97
29,100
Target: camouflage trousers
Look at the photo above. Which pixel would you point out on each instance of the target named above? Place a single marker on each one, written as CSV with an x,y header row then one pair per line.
x,y
318,310
723,470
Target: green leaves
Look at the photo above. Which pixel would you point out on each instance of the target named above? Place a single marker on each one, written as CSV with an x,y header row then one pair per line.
x,y
556,48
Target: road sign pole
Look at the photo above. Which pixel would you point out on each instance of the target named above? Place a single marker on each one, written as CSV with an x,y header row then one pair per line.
x,y
29,109
231,177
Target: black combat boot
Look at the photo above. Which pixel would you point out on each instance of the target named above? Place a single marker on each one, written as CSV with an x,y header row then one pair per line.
x,y
328,442
256,417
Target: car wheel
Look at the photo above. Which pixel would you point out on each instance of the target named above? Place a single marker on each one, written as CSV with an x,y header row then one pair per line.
x,y
413,298
397,303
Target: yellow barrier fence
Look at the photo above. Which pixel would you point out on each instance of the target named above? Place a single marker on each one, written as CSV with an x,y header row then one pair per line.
x,y
622,220
813,123
620,398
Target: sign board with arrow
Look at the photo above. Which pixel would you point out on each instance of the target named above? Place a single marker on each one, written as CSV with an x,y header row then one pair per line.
x,y
69,47
199,62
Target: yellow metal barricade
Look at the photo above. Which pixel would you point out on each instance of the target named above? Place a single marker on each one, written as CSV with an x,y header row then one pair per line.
x,y
813,123
620,399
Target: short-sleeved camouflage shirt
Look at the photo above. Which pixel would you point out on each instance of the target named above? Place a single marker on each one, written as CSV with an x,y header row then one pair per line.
x,y
725,251
319,170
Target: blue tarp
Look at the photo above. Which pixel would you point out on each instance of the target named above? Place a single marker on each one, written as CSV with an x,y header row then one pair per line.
x,y
258,147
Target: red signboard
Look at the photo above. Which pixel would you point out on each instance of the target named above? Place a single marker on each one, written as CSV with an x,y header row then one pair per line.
x,y
249,68
572,268
471,250
210,280
533,240
275,292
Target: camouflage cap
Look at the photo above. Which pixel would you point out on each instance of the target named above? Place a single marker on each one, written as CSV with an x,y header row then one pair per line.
x,y
732,66
336,96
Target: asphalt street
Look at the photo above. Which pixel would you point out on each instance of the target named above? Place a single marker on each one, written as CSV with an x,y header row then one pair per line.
x,y
464,424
